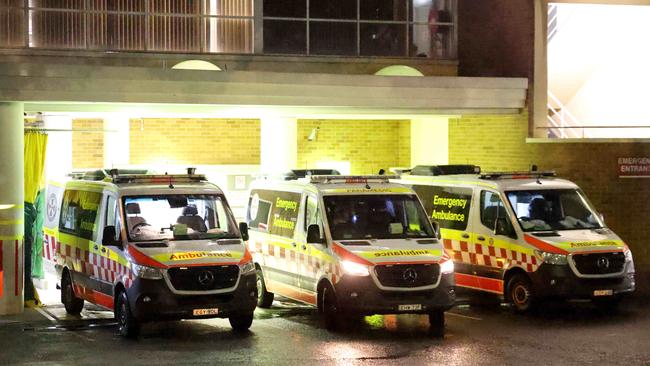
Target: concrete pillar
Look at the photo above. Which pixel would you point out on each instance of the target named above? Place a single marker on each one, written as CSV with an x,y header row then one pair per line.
x,y
279,145
58,161
430,141
116,140
12,196
540,75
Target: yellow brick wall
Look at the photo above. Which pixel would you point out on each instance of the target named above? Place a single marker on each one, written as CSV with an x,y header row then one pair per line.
x,y
87,147
369,145
194,141
499,143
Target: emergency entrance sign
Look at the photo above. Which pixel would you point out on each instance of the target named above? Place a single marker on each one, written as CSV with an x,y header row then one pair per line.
x,y
638,167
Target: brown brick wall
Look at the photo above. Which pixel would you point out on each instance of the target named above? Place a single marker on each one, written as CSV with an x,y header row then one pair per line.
x,y
369,145
194,141
498,143
87,147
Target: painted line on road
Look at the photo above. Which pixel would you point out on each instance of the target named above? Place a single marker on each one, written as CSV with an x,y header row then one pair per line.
x,y
46,314
464,316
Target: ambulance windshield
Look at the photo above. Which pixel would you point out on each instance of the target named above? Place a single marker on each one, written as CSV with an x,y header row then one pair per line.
x,y
178,217
376,217
553,209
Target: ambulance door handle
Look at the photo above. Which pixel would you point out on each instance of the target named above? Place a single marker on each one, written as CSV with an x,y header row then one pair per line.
x,y
304,247
481,238
293,244
96,247
465,236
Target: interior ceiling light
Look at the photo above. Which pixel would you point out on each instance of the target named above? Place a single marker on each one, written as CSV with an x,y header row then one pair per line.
x,y
196,65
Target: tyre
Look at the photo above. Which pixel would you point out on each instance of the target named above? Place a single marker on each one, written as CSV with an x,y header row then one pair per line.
x,y
607,304
328,309
73,305
520,294
128,325
437,323
241,322
264,298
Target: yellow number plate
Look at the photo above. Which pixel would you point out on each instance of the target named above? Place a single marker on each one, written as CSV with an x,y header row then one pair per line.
x,y
409,307
603,292
201,312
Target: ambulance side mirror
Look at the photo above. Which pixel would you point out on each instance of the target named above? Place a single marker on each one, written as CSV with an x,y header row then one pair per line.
x,y
436,228
108,237
313,234
243,229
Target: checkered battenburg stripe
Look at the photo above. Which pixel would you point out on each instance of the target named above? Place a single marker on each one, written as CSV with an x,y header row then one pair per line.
x,y
489,256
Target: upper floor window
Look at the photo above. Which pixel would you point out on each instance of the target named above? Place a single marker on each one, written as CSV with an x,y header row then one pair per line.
x,y
392,28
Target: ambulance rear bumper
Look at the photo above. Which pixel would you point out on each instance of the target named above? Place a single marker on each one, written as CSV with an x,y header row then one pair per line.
x,y
152,300
360,295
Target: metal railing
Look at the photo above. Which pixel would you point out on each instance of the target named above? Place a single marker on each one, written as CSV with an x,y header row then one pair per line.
x,y
561,121
197,26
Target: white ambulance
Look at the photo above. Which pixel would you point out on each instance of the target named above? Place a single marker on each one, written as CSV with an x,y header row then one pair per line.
x,y
349,245
526,236
152,247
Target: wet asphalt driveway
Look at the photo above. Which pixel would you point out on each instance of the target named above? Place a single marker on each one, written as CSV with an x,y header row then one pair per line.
x,y
289,334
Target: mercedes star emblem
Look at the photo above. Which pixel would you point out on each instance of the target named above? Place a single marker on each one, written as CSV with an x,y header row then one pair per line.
x,y
206,278
410,275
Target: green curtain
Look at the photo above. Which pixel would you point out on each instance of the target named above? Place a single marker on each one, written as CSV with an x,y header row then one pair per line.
x,y
35,149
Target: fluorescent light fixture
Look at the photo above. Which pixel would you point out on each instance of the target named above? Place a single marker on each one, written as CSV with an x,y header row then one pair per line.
x,y
196,65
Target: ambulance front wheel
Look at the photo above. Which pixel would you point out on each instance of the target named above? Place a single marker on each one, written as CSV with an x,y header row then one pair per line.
x,y
241,322
328,308
128,325
264,298
73,305
437,323
520,293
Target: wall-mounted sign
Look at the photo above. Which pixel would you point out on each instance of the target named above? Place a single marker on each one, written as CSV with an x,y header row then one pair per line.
x,y
638,167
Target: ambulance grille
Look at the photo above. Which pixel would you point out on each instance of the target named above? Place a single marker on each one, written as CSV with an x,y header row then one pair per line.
x,y
599,263
408,275
208,278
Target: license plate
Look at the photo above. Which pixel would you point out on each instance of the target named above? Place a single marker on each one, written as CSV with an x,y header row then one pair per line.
x,y
409,307
201,312
603,292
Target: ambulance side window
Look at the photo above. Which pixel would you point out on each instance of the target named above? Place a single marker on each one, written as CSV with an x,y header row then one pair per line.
x,y
259,210
312,214
448,206
79,213
112,215
492,208
284,213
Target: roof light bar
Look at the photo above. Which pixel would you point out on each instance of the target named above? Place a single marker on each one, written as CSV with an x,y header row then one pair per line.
x,y
159,178
517,175
349,179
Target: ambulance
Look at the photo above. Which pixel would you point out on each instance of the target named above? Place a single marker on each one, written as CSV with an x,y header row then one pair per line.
x,y
526,236
350,246
152,247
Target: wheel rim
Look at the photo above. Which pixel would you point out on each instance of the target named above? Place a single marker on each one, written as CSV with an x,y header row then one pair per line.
x,y
259,285
520,295
122,315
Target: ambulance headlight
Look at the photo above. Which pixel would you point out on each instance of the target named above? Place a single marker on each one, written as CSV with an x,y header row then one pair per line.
x,y
355,269
551,258
145,272
247,268
447,266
